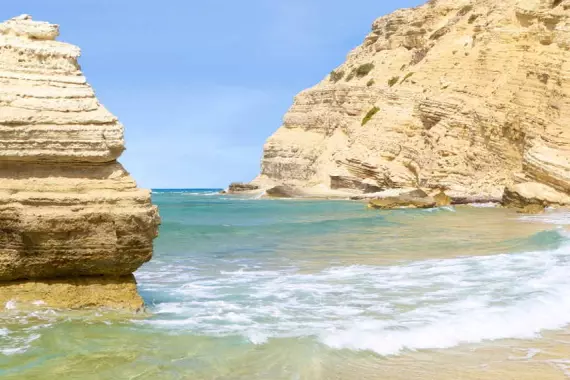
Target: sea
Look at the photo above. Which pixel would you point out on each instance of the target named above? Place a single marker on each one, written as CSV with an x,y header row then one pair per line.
x,y
255,289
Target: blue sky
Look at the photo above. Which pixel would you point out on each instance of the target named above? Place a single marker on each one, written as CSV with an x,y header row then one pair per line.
x,y
200,85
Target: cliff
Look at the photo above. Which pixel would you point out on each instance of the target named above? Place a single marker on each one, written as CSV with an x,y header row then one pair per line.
x,y
471,96
73,224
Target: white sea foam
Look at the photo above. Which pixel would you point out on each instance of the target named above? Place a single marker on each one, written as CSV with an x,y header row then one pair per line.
x,y
17,345
208,194
443,208
484,205
260,195
550,217
13,350
530,353
425,304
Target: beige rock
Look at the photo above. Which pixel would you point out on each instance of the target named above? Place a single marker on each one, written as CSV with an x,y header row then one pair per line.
x,y
24,26
470,96
532,209
283,192
354,183
68,209
238,187
441,199
390,193
533,193
403,201
74,293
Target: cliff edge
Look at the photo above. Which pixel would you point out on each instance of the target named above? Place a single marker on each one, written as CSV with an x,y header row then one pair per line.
x,y
470,96
73,224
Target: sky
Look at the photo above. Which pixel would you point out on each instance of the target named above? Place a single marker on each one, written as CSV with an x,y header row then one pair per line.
x,y
201,85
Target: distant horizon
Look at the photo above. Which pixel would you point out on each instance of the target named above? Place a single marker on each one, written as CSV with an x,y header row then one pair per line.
x,y
197,102
187,188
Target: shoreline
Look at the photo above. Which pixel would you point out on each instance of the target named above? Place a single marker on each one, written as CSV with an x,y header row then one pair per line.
x,y
526,198
329,194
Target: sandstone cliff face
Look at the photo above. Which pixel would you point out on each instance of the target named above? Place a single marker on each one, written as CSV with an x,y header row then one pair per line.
x,y
68,210
466,95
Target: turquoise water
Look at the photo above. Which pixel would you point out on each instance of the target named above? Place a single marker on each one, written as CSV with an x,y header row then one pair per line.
x,y
243,288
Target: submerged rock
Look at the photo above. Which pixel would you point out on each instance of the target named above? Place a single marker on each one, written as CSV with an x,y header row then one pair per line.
x,y
74,226
532,209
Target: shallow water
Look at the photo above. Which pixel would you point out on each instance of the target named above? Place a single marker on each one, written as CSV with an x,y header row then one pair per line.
x,y
256,289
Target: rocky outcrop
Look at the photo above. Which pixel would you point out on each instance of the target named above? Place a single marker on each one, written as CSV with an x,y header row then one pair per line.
x,y
467,95
442,199
354,183
238,187
533,193
283,192
72,220
74,292
402,201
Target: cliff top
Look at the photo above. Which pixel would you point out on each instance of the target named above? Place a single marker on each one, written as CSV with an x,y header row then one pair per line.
x,y
24,26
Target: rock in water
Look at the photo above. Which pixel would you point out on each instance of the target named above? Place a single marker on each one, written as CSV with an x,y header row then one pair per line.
x,y
238,187
402,201
442,199
282,192
455,94
533,193
532,209
73,224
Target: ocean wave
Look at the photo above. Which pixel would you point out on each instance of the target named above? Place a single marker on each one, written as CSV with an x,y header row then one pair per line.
x,y
557,217
27,328
484,205
443,208
427,304
23,328
523,320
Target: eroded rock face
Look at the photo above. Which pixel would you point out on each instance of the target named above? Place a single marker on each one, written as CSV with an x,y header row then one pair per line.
x,y
533,193
68,209
402,201
283,192
466,95
238,187
442,199
76,293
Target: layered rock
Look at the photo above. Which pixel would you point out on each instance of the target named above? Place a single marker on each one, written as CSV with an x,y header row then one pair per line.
x,y
406,199
238,187
532,193
71,217
466,95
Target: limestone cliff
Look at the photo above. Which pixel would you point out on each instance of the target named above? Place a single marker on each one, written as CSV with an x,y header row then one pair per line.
x,y
466,95
72,220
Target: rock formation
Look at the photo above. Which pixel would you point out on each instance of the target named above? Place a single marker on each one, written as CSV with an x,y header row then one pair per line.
x,y
414,199
73,224
466,95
